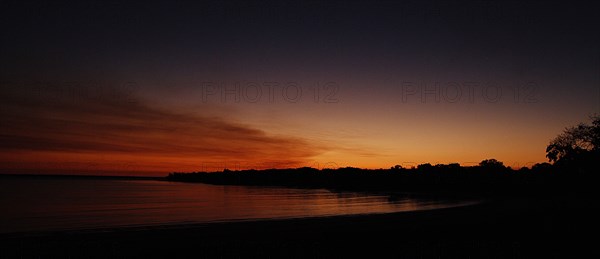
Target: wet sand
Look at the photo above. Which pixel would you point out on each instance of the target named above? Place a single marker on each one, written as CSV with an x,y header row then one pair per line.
x,y
509,228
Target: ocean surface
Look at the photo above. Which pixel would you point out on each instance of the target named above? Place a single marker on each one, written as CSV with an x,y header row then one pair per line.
x,y
31,204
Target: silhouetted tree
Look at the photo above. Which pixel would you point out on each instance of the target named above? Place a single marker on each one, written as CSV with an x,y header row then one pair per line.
x,y
492,163
576,146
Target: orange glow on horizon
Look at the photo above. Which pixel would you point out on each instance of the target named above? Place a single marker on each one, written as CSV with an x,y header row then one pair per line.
x,y
116,136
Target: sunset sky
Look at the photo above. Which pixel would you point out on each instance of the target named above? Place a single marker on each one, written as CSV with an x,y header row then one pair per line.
x,y
146,89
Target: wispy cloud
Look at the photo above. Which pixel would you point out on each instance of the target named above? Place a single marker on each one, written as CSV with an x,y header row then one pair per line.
x,y
102,122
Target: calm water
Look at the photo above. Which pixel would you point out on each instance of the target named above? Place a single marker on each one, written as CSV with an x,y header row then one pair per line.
x,y
31,204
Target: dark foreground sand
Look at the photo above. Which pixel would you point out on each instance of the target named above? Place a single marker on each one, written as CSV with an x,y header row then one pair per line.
x,y
507,228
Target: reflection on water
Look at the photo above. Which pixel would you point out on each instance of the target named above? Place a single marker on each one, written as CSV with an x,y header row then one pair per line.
x,y
30,204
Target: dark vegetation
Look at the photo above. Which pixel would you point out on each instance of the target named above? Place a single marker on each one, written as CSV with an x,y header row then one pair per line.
x,y
574,167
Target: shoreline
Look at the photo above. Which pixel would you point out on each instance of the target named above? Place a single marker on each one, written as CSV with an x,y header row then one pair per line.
x,y
499,228
194,225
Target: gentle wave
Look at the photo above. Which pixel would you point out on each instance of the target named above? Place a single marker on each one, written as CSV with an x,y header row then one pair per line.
x,y
33,205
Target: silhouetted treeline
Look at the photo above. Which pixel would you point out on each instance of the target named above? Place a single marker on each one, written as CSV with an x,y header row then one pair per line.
x,y
489,177
575,157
